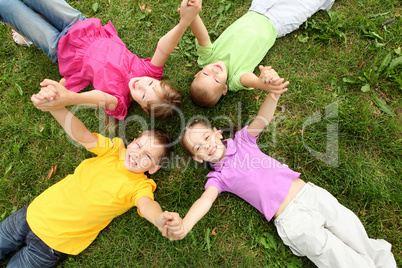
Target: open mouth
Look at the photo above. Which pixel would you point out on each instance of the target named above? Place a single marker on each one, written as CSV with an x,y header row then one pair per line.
x,y
132,160
219,67
213,150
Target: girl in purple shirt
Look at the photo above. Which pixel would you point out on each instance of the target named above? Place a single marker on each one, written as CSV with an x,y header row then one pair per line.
x,y
89,53
308,218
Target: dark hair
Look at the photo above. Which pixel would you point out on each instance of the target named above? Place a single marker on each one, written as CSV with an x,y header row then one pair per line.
x,y
164,139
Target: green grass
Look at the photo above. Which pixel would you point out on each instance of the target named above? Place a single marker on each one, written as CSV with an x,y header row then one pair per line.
x,y
328,60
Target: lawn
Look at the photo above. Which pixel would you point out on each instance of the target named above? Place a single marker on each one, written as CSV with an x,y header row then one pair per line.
x,y
339,125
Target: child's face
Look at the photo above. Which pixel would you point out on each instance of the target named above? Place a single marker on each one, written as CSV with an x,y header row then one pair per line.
x,y
142,155
144,89
214,76
204,143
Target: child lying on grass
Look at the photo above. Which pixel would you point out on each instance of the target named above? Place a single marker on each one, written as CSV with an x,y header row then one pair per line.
x,y
67,217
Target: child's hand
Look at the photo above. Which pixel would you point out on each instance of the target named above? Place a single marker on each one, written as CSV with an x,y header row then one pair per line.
x,y
171,226
268,75
189,9
52,96
176,229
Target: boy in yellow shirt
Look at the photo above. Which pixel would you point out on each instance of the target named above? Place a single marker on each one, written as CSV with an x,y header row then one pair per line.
x,y
68,216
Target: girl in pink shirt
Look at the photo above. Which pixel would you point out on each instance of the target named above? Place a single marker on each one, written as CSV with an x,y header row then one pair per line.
x,y
89,53
308,218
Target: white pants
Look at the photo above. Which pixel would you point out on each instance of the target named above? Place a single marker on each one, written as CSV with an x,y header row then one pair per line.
x,y
316,225
288,15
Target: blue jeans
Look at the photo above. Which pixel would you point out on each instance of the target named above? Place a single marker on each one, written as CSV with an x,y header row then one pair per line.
x,y
15,234
43,22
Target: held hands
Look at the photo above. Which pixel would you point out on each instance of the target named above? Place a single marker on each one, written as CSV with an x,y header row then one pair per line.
x,y
52,96
272,82
189,9
171,226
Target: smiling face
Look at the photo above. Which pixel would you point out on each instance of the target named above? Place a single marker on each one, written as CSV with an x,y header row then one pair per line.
x,y
142,155
204,143
144,89
210,84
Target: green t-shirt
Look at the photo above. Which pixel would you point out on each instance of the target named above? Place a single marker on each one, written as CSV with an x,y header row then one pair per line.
x,y
241,47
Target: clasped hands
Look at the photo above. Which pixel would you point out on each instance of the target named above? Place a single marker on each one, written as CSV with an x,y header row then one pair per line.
x,y
171,226
272,82
52,96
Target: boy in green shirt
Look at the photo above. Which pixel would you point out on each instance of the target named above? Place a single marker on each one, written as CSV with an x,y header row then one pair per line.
x,y
228,63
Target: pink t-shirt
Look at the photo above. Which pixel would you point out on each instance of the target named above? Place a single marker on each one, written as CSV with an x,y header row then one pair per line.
x,y
252,175
93,54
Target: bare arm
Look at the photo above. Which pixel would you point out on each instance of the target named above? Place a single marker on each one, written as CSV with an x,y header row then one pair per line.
x,y
197,211
59,97
265,115
75,128
252,81
200,31
170,40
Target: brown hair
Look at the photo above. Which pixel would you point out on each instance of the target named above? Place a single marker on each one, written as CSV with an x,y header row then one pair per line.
x,y
202,96
163,139
169,97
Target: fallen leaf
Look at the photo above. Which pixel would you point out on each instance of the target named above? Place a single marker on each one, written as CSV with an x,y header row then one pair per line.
x,y
49,175
142,7
345,191
329,89
41,128
361,64
213,231
257,97
363,212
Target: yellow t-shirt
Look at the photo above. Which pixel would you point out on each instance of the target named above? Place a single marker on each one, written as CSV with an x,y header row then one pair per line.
x,y
70,214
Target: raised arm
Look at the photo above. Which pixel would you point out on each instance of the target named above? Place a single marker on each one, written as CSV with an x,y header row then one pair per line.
x,y
61,97
170,40
152,211
265,115
196,212
268,81
200,31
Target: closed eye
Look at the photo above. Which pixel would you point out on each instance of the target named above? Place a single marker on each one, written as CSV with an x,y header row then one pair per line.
x,y
143,96
151,82
204,73
217,81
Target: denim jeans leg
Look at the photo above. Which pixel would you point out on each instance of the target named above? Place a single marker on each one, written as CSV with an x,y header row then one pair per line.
x,y
36,254
45,34
13,232
30,24
57,12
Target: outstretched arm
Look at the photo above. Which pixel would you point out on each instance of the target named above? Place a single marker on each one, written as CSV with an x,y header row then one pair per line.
x,y
265,114
71,124
200,31
170,40
269,80
196,212
152,211
60,97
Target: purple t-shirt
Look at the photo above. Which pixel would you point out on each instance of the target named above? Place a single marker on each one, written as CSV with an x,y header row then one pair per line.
x,y
252,175
93,54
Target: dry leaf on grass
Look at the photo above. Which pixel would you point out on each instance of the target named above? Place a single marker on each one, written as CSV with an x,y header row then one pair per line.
x,y
51,172
144,7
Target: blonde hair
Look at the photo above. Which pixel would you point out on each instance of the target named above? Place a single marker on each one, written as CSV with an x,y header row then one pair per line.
x,y
163,139
169,99
203,96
